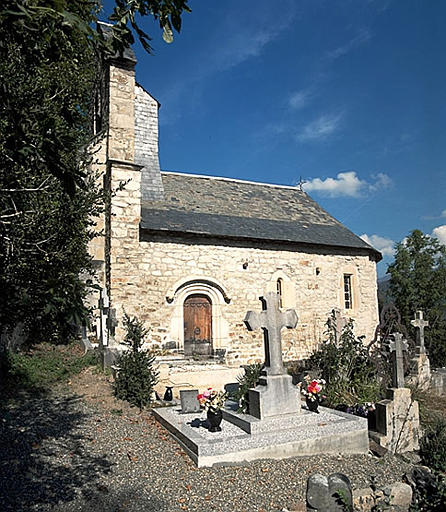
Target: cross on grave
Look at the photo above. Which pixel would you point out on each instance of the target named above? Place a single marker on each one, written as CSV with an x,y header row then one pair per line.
x,y
275,394
104,304
419,323
272,321
396,348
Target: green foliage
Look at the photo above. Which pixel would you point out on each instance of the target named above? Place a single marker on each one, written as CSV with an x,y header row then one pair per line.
x,y
418,281
49,72
47,195
346,367
433,445
45,365
430,496
136,377
246,381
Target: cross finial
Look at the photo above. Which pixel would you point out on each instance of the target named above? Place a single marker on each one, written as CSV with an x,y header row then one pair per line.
x,y
419,323
301,183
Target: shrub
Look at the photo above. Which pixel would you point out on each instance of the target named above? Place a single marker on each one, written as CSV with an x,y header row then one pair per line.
x,y
433,445
429,493
136,377
246,381
345,365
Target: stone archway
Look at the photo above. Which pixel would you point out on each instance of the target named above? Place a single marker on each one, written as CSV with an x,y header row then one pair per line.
x,y
205,290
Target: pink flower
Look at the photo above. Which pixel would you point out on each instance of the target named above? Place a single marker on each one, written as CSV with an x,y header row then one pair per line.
x,y
314,387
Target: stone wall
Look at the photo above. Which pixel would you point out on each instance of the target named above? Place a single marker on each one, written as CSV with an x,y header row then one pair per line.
x,y
154,275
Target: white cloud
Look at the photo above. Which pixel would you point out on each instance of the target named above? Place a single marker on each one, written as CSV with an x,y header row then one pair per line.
x,y
443,213
346,184
440,233
362,37
299,99
381,181
320,128
385,245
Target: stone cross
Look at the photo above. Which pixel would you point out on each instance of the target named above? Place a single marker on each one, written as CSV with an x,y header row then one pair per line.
x,y
419,323
396,348
272,321
104,305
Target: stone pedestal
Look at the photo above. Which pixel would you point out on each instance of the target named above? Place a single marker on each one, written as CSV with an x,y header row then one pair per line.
x,y
420,371
438,381
397,422
274,396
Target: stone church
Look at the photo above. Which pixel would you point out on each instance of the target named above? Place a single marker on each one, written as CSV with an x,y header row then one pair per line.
x,y
191,254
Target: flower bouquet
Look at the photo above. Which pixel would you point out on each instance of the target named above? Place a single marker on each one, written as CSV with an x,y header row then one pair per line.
x,y
312,392
212,401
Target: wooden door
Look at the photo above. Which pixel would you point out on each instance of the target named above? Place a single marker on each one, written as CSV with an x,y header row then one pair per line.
x,y
197,325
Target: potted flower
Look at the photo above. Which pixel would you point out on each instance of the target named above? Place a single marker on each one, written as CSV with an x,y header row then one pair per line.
x,y
212,401
312,392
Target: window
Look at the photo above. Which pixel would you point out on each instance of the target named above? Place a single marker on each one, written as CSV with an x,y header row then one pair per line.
x,y
280,291
347,291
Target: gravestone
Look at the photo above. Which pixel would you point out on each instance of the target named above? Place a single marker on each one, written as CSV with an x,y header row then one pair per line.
x,y
419,323
397,346
397,417
420,370
189,401
330,494
275,394
105,328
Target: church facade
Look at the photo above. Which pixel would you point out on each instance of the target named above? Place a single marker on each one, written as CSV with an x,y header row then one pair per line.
x,y
191,254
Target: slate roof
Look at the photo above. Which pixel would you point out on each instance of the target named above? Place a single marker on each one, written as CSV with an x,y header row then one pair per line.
x,y
221,207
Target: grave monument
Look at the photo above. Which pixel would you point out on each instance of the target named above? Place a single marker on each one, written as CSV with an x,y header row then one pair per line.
x,y
279,427
275,393
420,371
397,417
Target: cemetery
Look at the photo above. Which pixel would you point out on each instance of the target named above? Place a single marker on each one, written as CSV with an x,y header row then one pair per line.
x,y
185,340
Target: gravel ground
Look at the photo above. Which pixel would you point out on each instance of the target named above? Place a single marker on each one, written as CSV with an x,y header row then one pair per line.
x,y
62,453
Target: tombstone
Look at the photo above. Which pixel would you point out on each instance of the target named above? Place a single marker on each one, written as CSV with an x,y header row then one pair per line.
x,y
420,370
397,346
275,394
330,494
85,342
419,323
103,314
397,417
189,401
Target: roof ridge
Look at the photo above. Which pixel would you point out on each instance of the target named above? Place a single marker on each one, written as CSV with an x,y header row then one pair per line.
x,y
236,180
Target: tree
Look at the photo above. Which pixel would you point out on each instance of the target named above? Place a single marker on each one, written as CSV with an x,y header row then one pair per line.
x,y
50,56
418,281
136,377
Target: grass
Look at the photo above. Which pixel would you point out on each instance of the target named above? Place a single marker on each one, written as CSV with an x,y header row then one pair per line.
x,y
45,365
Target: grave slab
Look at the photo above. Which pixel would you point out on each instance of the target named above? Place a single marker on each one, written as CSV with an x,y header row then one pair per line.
x,y
291,435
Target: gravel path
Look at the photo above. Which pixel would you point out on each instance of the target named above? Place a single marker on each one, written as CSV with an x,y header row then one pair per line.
x,y
59,453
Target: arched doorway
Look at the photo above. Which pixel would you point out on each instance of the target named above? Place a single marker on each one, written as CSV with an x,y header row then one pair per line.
x,y
197,318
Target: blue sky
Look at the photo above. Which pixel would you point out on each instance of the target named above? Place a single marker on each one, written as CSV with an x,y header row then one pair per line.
x,y
350,95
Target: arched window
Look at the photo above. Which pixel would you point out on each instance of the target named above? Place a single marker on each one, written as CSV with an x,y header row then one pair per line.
x,y
279,285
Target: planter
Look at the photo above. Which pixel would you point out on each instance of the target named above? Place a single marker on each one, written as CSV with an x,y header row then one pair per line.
x,y
313,405
214,420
